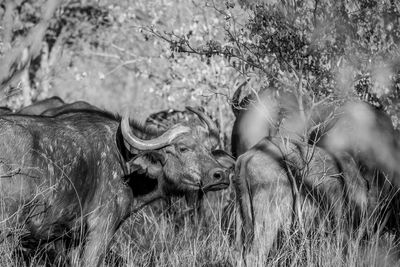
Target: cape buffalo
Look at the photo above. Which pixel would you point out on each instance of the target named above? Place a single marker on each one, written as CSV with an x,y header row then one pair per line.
x,y
280,181
193,117
368,135
354,127
42,105
77,176
360,138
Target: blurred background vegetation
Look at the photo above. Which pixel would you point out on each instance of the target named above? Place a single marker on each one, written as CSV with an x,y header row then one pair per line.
x,y
103,52
153,55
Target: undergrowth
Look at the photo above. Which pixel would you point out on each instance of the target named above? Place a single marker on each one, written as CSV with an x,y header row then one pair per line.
x,y
157,236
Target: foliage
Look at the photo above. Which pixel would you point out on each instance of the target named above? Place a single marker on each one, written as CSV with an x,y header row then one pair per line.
x,y
72,22
316,48
98,52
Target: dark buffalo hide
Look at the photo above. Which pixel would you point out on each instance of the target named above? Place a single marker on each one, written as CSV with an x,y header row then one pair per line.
x,y
72,177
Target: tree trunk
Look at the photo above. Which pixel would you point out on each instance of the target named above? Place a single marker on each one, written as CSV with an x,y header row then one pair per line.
x,y
17,59
8,21
44,72
26,87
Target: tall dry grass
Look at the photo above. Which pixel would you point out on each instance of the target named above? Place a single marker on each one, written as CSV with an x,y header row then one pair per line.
x,y
157,236
154,238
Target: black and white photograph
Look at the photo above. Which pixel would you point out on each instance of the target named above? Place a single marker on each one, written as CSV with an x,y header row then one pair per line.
x,y
210,133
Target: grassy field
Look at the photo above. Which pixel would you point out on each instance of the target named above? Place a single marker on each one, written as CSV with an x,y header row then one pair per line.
x,y
155,237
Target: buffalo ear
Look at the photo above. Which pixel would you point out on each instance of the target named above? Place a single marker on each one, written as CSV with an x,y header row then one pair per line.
x,y
149,163
226,160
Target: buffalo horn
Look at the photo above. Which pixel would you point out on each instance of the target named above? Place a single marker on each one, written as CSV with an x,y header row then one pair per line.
x,y
212,127
235,104
159,142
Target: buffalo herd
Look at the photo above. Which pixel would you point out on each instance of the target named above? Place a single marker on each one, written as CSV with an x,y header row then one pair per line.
x,y
335,160
72,173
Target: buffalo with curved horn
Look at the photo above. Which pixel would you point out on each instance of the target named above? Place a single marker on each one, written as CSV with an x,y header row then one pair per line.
x,y
76,177
208,132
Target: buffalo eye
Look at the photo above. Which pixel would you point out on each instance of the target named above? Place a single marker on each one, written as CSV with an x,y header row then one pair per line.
x,y
183,149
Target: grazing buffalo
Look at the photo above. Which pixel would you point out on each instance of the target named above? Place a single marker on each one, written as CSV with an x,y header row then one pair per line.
x,y
77,176
280,182
71,107
38,107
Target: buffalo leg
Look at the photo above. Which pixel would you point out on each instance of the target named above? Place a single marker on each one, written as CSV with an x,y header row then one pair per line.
x,y
101,231
272,207
265,198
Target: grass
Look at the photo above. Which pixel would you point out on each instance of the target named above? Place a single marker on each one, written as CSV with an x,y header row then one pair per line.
x,y
154,237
